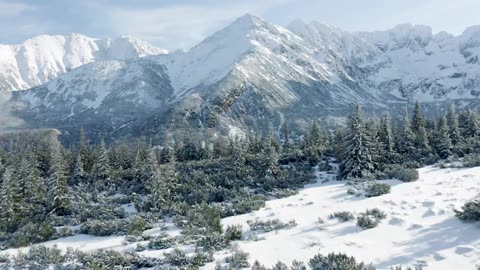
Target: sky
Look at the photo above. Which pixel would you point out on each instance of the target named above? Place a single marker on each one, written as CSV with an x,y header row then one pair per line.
x,y
181,24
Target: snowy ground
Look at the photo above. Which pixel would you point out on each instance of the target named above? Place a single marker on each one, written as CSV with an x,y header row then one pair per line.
x,y
420,228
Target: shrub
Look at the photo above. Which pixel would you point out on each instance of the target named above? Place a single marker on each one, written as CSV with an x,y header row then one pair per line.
x,y
29,234
160,242
343,216
335,262
270,225
212,241
233,233
238,260
367,222
401,173
280,266
471,160
470,211
101,228
376,213
377,189
177,258
105,259
370,218
137,225
298,265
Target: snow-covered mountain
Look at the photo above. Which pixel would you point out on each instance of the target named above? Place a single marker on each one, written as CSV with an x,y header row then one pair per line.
x,y
253,72
43,58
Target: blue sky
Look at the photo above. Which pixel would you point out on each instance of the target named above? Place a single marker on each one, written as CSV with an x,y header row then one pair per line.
x,y
181,24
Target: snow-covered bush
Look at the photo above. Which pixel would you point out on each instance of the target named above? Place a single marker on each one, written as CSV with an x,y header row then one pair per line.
x,y
28,234
343,216
367,222
336,261
137,225
370,218
470,211
212,241
233,233
298,265
401,173
160,242
238,260
102,228
471,160
377,189
177,257
270,225
280,266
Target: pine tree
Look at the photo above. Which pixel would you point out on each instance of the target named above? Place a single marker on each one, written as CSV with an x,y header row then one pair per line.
x,y
452,121
102,170
314,144
444,146
78,174
58,187
8,215
272,170
418,126
357,160
287,145
408,138
471,125
161,183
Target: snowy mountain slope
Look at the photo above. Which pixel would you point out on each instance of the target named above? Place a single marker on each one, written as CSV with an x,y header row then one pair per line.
x,y
420,228
252,71
427,67
43,58
103,96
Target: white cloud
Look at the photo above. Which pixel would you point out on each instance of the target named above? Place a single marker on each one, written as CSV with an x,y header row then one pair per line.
x,y
182,26
9,10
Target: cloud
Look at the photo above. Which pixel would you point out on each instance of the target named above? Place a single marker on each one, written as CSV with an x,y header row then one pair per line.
x,y
8,10
182,26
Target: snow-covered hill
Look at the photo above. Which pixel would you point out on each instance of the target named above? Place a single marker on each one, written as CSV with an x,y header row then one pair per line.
x,y
43,58
420,227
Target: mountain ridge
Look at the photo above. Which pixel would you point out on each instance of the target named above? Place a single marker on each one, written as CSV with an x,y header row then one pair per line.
x,y
42,58
253,72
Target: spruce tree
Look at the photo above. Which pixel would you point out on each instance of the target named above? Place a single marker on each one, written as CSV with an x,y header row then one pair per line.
x,y
287,145
8,215
418,126
102,170
444,145
58,187
357,160
78,174
452,121
407,140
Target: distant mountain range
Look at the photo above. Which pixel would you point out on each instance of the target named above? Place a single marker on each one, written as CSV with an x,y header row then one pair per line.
x,y
241,78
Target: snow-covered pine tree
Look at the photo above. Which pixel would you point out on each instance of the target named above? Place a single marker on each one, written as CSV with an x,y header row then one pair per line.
x,y
287,144
78,174
452,121
418,127
102,170
58,187
444,143
8,215
407,138
272,170
356,159
471,125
